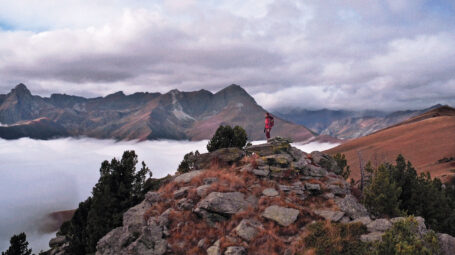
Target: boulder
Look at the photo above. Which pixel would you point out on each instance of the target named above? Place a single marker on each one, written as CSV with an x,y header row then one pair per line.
x,y
202,190
182,192
334,216
379,225
214,249
296,153
153,197
447,244
185,204
282,215
133,219
312,186
351,207
314,171
235,250
260,172
57,241
222,157
371,237
282,160
210,180
247,229
270,192
187,177
364,220
325,161
227,203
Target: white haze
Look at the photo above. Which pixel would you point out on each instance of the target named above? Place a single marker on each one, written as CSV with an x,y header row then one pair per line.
x,y
39,177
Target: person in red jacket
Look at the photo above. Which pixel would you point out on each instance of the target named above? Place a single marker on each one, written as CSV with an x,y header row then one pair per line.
x,y
268,124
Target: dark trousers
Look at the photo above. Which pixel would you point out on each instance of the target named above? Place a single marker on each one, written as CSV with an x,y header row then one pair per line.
x,y
267,133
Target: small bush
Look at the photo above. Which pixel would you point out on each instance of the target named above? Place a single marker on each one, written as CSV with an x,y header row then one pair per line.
x,y
336,239
404,239
343,164
188,162
226,136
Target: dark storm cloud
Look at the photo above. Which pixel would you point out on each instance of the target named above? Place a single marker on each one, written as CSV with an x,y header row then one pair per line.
x,y
332,54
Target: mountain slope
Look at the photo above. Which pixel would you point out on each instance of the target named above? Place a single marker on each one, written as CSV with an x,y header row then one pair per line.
x,y
349,124
423,140
173,115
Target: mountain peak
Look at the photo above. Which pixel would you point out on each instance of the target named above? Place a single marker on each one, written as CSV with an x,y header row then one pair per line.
x,y
20,90
234,91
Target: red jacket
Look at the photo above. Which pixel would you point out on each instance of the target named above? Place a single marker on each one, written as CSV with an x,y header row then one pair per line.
x,y
269,121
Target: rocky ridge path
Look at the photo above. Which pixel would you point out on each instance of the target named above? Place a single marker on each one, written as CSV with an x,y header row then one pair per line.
x,y
253,201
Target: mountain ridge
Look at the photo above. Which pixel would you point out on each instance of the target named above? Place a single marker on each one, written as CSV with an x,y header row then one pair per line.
x,y
179,115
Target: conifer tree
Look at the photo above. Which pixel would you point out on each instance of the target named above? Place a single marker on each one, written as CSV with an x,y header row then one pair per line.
x,y
381,197
18,245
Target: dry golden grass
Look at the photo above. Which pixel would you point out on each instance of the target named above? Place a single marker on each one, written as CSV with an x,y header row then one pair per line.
x,y
422,142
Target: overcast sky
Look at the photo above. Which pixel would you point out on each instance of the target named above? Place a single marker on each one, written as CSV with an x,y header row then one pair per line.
x,y
353,54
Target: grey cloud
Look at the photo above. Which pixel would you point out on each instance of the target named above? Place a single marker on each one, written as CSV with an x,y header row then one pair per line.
x,y
356,55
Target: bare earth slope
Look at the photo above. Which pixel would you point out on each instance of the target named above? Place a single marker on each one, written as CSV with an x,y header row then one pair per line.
x,y
423,140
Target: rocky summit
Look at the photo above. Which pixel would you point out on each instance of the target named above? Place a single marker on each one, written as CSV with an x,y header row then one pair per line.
x,y
259,200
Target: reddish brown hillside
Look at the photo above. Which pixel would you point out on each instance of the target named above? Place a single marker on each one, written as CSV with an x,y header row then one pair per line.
x,y
423,140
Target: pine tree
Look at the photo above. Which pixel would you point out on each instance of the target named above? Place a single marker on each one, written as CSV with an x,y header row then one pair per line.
x,y
381,197
18,245
226,136
119,188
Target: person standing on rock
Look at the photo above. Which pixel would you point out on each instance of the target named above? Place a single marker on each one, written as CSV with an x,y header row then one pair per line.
x,y
269,121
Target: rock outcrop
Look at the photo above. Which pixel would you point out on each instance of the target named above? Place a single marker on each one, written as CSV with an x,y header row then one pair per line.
x,y
258,201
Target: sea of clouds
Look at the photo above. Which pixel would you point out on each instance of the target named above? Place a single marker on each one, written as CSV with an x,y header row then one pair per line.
x,y
39,177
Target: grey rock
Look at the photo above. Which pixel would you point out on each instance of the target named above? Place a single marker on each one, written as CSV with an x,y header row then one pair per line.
x,y
185,204
235,250
300,164
153,197
247,168
203,190
227,203
57,241
338,191
282,159
150,242
247,229
182,192
187,177
334,216
351,207
447,244
329,195
270,192
282,215
276,169
422,228
296,153
371,237
133,219
379,225
325,161
108,244
214,249
259,172
315,171
285,188
312,186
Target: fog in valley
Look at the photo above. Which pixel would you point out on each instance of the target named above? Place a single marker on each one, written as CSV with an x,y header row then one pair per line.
x,y
39,177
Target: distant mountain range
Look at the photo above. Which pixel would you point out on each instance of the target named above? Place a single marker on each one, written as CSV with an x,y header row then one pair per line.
x,y
142,116
427,140
348,124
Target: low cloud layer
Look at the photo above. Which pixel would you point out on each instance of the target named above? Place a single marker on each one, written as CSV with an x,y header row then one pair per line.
x,y
392,54
39,177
